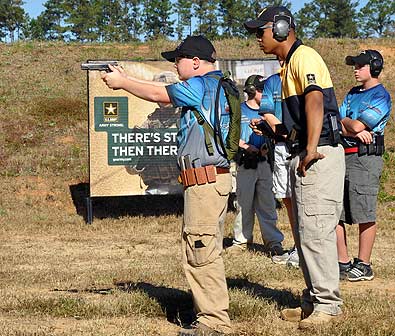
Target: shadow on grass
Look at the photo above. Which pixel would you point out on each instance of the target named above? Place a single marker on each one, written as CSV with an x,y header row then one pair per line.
x,y
284,298
119,206
175,303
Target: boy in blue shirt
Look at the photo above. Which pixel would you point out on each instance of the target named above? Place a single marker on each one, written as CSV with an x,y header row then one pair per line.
x,y
205,204
364,112
254,180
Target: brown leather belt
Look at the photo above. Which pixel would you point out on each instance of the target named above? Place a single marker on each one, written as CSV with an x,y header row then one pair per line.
x,y
201,175
221,170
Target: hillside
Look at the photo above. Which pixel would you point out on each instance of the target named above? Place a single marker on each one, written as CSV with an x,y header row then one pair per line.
x,y
43,98
122,275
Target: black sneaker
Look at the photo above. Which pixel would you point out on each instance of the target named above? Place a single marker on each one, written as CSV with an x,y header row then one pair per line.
x,y
276,250
344,268
360,271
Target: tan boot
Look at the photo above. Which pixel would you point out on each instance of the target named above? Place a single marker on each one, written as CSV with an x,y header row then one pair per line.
x,y
295,314
318,318
236,249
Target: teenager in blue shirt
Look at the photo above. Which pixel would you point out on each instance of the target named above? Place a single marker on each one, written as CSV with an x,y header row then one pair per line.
x,y
254,180
364,112
205,205
271,108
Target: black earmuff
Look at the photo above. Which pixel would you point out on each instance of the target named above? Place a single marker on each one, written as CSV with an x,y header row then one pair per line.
x,y
250,88
376,63
281,27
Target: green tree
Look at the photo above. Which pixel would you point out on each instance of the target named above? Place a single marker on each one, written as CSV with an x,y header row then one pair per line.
x,y
131,11
82,16
12,18
51,21
233,14
184,18
156,18
377,18
327,18
207,18
109,20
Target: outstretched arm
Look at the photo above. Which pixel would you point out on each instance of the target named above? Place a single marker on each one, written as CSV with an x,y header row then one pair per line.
x,y
147,90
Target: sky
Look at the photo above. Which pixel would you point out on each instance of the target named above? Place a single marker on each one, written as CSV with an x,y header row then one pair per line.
x,y
35,7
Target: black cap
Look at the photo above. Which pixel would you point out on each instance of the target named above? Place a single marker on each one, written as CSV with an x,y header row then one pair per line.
x,y
365,57
192,46
267,15
256,80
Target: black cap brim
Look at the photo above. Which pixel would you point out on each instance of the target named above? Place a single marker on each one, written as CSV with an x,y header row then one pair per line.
x,y
170,55
360,59
253,25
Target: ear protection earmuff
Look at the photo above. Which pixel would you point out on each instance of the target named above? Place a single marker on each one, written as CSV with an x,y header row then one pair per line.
x,y
281,27
376,62
249,87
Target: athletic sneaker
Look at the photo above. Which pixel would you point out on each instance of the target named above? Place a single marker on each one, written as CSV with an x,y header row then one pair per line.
x,y
278,254
344,268
360,271
280,259
293,259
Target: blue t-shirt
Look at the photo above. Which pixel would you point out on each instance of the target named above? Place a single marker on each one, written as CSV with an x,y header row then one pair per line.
x,y
198,93
372,107
271,97
246,133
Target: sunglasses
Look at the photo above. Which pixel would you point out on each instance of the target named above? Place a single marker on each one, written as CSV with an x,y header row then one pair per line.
x,y
260,31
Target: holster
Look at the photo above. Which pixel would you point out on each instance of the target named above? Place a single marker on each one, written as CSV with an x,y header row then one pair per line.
x,y
376,147
200,175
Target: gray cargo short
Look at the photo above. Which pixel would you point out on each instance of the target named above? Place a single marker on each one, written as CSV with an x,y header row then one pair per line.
x,y
361,187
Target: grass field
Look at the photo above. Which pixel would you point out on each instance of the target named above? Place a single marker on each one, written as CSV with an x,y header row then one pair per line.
x,y
122,275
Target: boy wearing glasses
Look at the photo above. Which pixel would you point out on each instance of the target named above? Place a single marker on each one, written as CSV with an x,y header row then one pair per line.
x,y
365,112
317,165
205,205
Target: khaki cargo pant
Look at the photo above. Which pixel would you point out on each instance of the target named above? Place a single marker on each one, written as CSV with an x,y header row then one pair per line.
x,y
205,208
317,202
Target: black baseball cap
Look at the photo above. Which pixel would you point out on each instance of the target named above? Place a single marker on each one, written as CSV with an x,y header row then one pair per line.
x,y
256,80
267,15
365,57
193,46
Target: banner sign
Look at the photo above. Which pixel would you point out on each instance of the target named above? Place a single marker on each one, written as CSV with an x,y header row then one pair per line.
x,y
132,142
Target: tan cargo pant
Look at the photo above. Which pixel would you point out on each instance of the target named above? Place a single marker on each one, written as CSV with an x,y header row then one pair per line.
x,y
317,201
205,208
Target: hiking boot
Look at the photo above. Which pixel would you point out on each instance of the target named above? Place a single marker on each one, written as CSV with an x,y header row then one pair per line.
x,y
199,329
236,249
360,271
293,259
344,268
296,314
317,319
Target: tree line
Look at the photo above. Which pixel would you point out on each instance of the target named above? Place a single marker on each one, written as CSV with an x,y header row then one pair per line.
x,y
139,20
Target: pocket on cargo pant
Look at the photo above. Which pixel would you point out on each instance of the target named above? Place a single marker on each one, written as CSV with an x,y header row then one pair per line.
x,y
317,221
201,245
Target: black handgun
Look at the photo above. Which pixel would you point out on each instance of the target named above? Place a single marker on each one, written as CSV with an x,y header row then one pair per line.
x,y
277,135
98,65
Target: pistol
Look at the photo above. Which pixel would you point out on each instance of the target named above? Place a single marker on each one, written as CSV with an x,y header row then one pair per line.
x,y
98,65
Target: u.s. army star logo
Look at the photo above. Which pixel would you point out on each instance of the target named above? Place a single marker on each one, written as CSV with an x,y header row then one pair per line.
x,y
110,112
311,79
